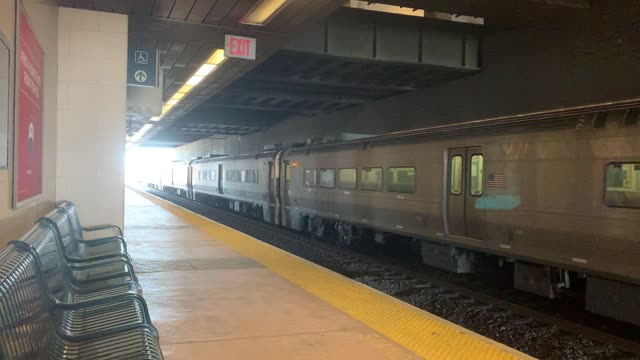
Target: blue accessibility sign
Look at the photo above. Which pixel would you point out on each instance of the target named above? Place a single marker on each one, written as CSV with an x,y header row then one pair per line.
x,y
142,67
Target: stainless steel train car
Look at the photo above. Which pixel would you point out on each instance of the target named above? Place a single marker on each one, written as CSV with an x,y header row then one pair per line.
x,y
556,193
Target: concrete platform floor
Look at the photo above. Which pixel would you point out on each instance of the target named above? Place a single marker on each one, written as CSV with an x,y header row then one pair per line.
x,y
209,302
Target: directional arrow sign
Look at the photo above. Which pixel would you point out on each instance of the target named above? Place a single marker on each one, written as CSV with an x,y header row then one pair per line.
x,y
142,67
140,76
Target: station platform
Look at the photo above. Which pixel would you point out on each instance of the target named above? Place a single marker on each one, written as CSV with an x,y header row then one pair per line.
x,y
216,293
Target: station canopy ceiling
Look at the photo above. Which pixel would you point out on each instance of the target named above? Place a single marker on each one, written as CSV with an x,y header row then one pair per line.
x,y
313,56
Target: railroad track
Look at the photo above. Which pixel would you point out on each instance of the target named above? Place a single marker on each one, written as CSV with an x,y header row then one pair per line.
x,y
539,334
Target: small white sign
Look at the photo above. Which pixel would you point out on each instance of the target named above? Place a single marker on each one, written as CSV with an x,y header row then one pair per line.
x,y
240,47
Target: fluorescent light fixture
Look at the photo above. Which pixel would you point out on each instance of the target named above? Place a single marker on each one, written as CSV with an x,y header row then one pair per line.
x,y
215,59
194,80
143,130
410,11
185,89
178,96
205,69
391,9
262,12
155,118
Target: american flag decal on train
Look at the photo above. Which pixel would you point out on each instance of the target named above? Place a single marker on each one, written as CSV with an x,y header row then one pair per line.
x,y
496,181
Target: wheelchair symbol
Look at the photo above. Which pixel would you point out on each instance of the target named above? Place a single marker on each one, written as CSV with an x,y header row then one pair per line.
x,y
142,57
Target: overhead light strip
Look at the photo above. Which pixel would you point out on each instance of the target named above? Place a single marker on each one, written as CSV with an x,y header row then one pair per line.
x,y
212,63
262,12
143,130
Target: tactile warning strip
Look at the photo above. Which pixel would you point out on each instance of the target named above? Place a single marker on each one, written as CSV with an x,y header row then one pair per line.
x,y
421,332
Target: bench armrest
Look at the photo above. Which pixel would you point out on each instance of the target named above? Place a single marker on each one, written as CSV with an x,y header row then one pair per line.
x,y
105,261
103,227
104,240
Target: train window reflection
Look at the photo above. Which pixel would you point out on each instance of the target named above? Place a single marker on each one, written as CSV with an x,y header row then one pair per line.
x,y
402,179
347,178
623,185
327,178
310,177
456,174
371,179
475,184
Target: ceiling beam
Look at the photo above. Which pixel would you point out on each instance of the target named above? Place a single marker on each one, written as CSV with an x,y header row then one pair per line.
x,y
295,95
315,82
263,107
228,117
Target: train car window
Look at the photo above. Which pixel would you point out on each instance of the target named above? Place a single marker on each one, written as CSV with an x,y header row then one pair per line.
x,y
623,185
371,179
477,168
401,179
456,174
243,176
327,178
212,175
309,178
255,176
347,178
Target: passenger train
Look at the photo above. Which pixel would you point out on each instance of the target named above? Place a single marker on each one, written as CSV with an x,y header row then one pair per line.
x,y
556,193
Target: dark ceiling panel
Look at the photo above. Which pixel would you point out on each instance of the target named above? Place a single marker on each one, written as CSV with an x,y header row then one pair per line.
x,y
219,11
200,10
238,12
162,8
172,55
181,9
163,47
150,44
142,7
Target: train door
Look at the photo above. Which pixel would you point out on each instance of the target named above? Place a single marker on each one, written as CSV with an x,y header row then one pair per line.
x,y
272,191
285,192
190,193
464,189
220,177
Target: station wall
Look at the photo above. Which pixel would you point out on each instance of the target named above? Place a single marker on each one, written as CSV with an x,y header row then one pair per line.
x,y
43,16
588,58
91,111
83,120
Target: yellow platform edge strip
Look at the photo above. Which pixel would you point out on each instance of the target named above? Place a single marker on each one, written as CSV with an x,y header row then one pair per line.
x,y
424,334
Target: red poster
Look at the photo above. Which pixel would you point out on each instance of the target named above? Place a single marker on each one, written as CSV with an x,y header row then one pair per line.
x,y
28,129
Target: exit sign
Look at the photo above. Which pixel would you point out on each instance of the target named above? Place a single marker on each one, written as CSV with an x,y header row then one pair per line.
x,y
239,47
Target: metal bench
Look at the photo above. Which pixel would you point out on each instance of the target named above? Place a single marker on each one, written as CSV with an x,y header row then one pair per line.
x,y
70,209
45,240
85,251
34,325
59,279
